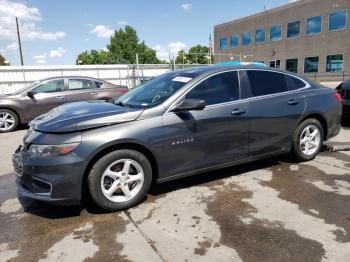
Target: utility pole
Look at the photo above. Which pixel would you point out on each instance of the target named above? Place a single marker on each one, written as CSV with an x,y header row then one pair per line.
x,y
19,42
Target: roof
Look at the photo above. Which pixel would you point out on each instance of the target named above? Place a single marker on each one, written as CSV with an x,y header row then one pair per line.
x,y
266,12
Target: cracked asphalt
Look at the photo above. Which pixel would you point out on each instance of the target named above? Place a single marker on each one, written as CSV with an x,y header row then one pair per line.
x,y
270,210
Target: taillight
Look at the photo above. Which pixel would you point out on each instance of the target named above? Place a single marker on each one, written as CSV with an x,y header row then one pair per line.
x,y
338,97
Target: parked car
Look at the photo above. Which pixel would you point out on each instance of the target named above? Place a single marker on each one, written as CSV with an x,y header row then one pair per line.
x,y
22,106
344,90
179,124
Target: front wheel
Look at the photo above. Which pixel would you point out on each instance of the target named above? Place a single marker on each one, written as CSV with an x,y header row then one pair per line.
x,y
8,120
307,140
120,180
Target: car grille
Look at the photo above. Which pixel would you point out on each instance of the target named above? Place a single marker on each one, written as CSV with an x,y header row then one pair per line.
x,y
17,161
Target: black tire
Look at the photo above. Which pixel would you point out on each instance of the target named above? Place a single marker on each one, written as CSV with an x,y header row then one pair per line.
x,y
96,174
14,116
296,148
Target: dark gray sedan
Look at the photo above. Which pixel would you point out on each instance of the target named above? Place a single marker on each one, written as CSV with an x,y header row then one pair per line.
x,y
25,104
179,124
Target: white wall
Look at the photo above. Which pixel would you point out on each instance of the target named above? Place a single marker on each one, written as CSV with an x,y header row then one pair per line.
x,y
13,78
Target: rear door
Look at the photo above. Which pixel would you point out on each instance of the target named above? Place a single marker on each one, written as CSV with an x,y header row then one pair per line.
x,y
213,136
275,107
81,89
47,95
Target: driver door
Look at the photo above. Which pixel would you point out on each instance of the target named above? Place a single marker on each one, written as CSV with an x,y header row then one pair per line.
x,y
216,135
46,96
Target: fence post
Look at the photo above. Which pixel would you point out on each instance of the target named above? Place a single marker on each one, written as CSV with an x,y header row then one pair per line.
x,y
343,75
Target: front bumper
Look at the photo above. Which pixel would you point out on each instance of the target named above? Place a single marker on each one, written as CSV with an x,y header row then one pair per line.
x,y
51,179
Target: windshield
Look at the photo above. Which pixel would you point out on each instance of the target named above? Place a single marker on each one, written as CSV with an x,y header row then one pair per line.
x,y
155,91
27,86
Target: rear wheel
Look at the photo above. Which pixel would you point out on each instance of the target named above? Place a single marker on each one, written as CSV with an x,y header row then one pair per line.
x,y
8,120
120,180
307,140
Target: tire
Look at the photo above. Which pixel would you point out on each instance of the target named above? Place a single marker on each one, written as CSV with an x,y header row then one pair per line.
x,y
304,140
8,120
110,174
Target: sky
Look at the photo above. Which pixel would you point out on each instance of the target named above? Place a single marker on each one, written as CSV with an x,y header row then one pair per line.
x,y
54,32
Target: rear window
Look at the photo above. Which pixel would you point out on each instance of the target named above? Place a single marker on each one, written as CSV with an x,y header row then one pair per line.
x,y
266,82
294,83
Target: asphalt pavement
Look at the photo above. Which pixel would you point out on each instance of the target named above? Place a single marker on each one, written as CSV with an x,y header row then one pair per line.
x,y
270,210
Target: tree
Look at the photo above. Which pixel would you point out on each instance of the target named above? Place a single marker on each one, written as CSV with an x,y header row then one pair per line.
x,y
122,49
2,60
196,55
93,57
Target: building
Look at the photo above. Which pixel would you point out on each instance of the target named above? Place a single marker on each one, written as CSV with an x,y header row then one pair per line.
x,y
306,36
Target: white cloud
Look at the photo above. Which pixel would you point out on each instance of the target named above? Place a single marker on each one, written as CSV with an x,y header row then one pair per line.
x,y
102,31
40,57
172,49
161,53
176,46
122,23
28,19
186,7
57,52
41,61
13,46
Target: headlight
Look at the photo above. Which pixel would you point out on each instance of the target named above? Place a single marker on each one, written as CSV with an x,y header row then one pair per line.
x,y
52,150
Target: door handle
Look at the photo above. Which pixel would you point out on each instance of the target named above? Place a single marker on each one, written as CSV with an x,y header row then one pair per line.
x,y
238,111
292,102
60,97
93,93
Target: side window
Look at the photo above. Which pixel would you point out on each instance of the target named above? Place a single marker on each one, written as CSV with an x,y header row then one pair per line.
x,y
78,84
217,89
98,84
266,82
294,83
50,87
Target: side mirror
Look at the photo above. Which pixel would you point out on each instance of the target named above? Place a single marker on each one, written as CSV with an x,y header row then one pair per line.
x,y
188,105
31,94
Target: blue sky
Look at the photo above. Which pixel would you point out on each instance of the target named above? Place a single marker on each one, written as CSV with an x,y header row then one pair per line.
x,y
55,31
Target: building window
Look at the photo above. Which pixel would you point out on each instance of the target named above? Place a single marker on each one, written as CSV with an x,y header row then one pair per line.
x,y
260,36
223,43
246,38
292,65
314,25
311,64
234,41
276,33
334,63
275,64
337,20
293,29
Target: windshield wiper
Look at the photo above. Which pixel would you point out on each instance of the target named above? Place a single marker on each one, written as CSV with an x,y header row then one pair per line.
x,y
120,103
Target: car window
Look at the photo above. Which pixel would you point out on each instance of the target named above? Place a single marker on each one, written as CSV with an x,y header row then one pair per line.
x,y
294,83
220,88
266,82
78,84
50,87
98,84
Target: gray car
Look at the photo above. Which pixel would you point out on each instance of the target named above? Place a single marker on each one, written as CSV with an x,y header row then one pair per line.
x,y
179,124
40,97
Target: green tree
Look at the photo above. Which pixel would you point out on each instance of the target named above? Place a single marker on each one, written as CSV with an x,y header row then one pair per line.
x,y
2,60
122,49
196,55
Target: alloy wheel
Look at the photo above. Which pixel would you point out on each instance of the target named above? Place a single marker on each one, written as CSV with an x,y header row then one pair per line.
x,y
122,180
7,121
310,140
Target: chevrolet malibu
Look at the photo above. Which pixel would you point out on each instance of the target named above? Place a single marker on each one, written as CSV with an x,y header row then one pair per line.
x,y
179,124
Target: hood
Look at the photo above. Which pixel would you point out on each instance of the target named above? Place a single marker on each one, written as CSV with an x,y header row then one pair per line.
x,y
83,115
